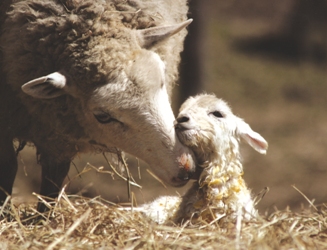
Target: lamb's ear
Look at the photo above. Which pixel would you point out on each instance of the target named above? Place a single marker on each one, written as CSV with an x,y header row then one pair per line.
x,y
46,87
149,37
254,139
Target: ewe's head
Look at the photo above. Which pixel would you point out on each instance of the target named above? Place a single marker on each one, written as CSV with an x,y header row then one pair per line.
x,y
117,88
207,125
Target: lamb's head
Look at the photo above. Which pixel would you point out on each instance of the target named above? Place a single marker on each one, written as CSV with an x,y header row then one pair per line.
x,y
207,125
119,98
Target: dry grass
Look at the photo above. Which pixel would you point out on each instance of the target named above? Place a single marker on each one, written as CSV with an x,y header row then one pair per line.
x,y
75,222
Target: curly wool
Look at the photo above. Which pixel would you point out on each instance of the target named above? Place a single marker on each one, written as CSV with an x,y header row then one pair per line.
x,y
88,40
221,191
65,32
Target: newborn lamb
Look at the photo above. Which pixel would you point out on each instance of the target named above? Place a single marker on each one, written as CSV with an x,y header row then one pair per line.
x,y
207,125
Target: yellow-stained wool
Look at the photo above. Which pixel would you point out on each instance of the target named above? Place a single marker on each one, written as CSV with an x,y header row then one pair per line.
x,y
207,125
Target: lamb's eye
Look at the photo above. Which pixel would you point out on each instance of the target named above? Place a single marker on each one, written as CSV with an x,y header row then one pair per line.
x,y
217,114
104,117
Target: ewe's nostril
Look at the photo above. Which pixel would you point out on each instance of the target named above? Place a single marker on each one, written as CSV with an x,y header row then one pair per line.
x,y
183,119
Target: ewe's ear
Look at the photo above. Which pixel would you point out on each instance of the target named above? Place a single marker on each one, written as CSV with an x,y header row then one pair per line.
x,y
254,139
46,87
149,37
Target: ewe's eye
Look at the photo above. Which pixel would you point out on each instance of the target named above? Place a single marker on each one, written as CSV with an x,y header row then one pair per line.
x,y
217,114
104,117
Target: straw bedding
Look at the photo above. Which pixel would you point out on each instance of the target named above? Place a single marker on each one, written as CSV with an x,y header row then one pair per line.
x,y
75,222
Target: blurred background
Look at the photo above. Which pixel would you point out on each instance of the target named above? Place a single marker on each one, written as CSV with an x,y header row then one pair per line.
x,y
268,60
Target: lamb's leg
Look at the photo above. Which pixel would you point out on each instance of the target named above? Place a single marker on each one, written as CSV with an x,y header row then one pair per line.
x,y
192,198
53,175
8,167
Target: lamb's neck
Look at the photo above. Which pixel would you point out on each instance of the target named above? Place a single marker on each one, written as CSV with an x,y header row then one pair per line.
x,y
219,180
226,164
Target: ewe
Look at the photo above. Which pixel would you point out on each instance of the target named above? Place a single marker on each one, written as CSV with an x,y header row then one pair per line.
x,y
86,77
207,125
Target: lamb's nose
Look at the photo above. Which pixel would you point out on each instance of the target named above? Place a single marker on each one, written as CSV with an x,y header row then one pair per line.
x,y
183,122
182,119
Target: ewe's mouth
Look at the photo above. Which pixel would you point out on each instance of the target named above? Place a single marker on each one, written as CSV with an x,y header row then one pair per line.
x,y
99,147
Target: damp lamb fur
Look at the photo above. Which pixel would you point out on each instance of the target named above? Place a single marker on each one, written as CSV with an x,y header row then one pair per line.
x,y
207,125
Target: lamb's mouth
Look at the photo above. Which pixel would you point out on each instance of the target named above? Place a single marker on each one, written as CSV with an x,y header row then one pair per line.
x,y
186,136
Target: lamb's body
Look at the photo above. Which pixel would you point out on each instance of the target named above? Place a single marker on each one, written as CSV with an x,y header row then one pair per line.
x,y
221,194
207,125
94,75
